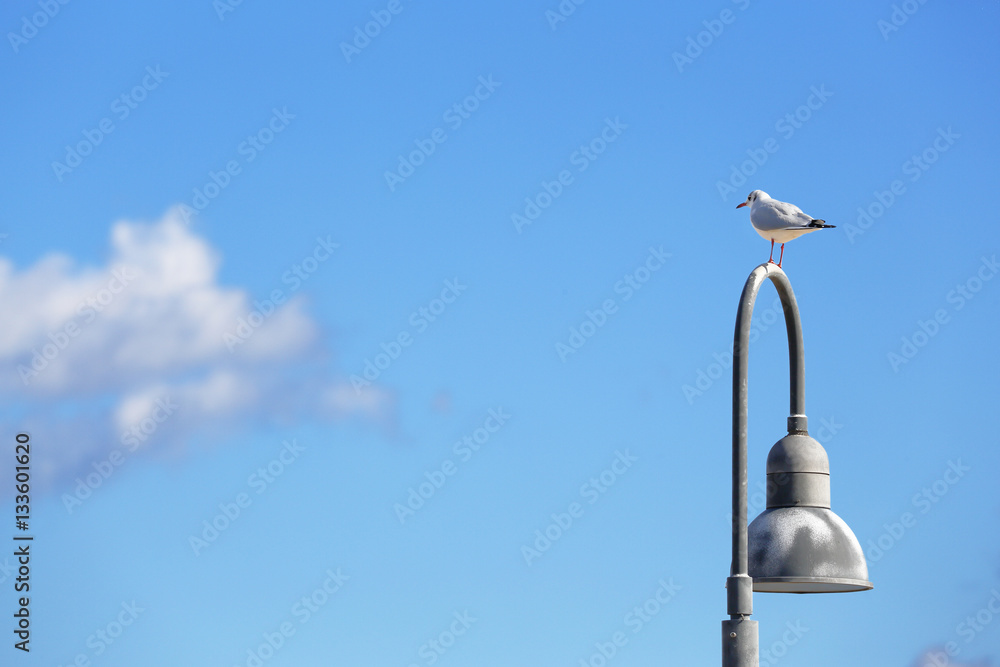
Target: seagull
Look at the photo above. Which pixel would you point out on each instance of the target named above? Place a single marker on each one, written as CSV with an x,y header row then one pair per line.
x,y
778,221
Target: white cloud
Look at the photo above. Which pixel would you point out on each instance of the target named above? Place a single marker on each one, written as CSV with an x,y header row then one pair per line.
x,y
152,325
938,657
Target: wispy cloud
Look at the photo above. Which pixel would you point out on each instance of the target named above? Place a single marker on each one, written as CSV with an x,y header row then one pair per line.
x,y
940,657
87,352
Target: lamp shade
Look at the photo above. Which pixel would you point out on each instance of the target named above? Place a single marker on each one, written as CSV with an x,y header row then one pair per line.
x,y
797,545
805,550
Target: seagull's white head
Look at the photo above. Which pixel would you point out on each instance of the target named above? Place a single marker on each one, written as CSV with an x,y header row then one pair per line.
x,y
752,197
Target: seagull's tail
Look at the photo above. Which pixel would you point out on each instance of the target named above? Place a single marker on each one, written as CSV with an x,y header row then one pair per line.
x,y
821,224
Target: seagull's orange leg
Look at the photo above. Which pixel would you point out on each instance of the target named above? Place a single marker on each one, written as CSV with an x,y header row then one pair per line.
x,y
770,257
782,254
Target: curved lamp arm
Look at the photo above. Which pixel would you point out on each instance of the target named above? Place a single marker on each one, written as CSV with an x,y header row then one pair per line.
x,y
740,590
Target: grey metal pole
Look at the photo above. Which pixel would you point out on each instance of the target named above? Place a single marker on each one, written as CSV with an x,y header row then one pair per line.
x,y
739,633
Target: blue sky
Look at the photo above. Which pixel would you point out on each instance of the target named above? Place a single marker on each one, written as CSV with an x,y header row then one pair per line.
x,y
268,282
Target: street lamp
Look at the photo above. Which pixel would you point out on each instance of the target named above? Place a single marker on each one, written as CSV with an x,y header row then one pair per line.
x,y
796,545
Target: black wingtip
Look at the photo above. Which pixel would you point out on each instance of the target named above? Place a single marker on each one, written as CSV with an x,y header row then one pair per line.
x,y
822,224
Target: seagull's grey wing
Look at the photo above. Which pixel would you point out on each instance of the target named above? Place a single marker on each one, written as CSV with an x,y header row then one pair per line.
x,y
791,214
775,215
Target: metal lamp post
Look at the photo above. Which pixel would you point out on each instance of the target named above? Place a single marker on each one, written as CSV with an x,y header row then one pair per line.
x,y
796,545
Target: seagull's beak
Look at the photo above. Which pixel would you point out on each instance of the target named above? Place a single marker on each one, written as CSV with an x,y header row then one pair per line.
x,y
741,205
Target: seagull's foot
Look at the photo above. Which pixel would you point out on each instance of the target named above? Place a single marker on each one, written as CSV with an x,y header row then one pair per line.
x,y
771,261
